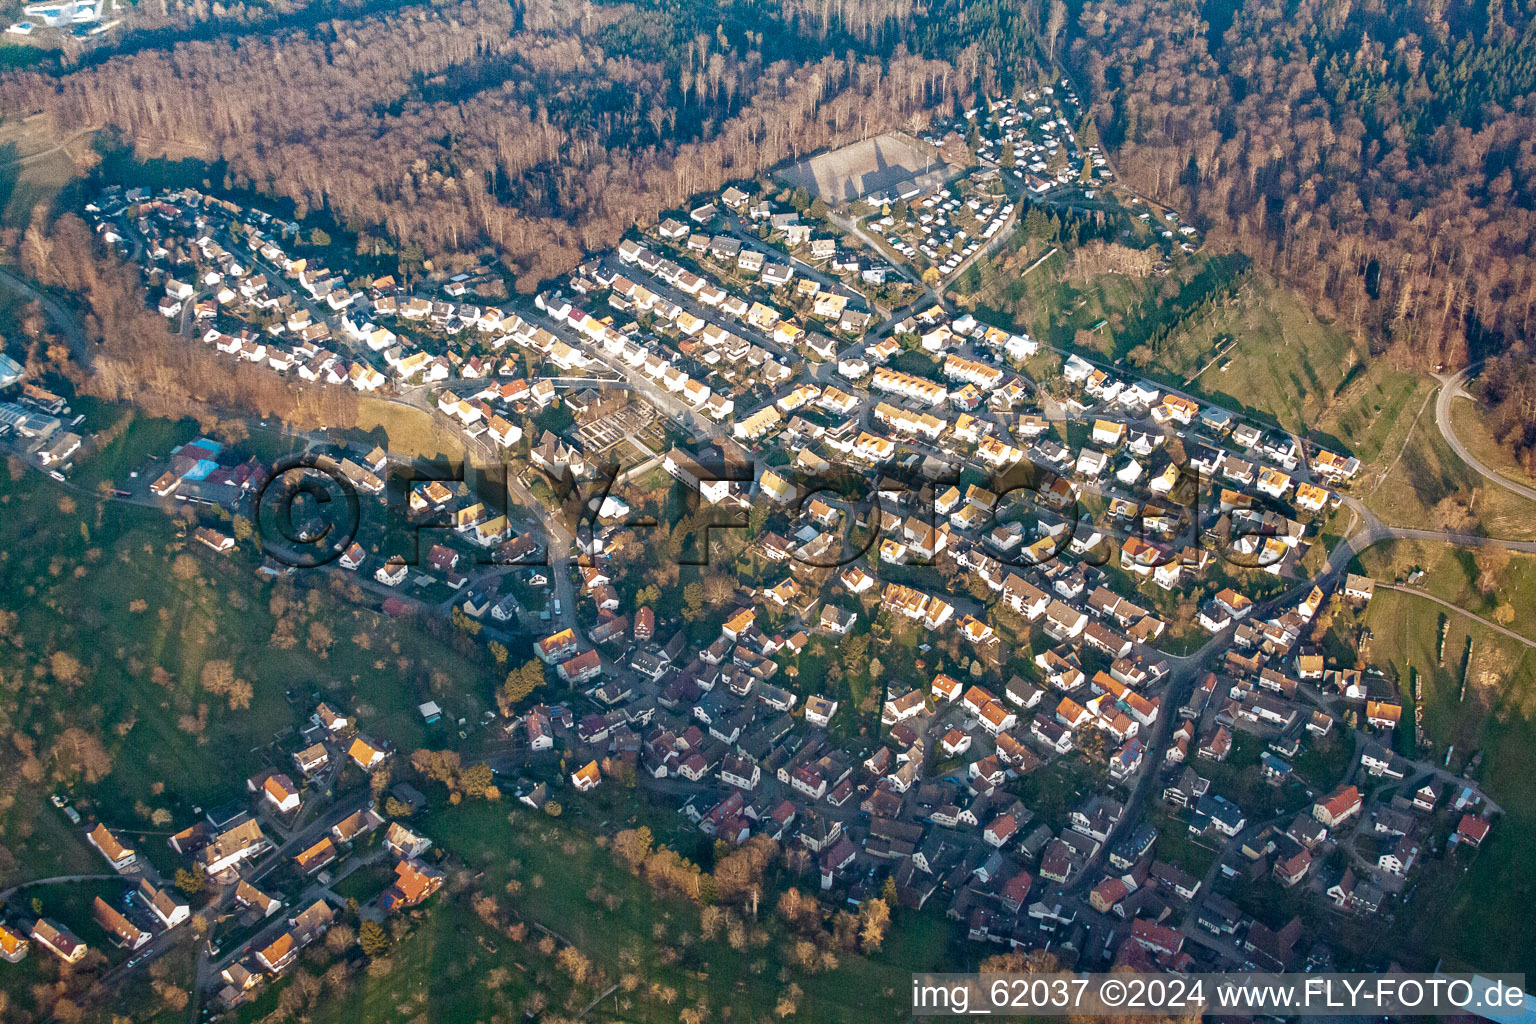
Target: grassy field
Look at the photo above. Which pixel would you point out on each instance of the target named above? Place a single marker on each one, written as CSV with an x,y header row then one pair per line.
x,y
70,903
406,430
1428,485
1453,574
444,968
557,864
551,874
1462,909
125,440
1176,846
137,613
1218,329
41,840
1112,314
1279,363
33,171
1472,431
1325,760
1283,364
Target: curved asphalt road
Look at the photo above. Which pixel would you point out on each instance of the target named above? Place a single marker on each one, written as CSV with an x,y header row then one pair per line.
x,y
1450,387
63,319
55,880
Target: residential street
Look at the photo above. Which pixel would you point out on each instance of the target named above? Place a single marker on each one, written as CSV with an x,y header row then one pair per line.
x,y
553,527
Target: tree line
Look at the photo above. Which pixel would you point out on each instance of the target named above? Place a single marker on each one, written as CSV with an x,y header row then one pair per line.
x,y
543,130
1377,155
135,359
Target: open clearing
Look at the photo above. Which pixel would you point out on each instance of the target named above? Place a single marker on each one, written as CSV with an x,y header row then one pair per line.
x,y
35,167
876,163
1430,487
410,431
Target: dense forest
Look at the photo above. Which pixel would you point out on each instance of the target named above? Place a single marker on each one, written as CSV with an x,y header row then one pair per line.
x,y
543,128
135,359
1378,154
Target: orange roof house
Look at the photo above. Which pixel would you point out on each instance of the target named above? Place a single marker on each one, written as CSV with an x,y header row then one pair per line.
x,y
587,777
279,954
414,882
365,753
13,945
118,855
1338,808
317,856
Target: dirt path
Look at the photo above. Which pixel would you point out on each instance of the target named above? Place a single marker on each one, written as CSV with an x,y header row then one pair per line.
x,y
27,158
1527,641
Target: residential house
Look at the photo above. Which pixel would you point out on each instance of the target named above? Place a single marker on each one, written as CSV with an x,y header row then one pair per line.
x,y
58,940
118,855
1343,804
316,856
586,778
13,945
247,895
114,923
414,882
404,843
279,791
169,911
233,847
367,754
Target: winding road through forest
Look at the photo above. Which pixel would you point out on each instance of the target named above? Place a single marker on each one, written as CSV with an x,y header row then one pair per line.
x,y
67,323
